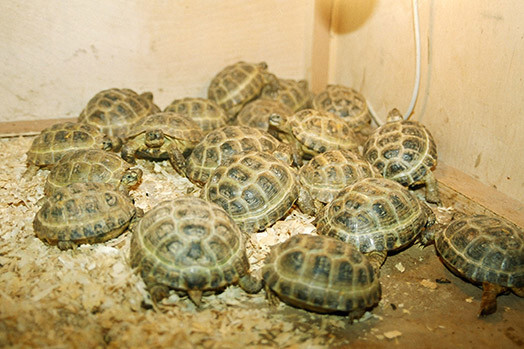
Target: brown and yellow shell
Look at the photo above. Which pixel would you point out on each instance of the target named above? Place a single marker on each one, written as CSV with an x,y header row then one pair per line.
x,y
256,113
205,112
321,274
172,125
292,93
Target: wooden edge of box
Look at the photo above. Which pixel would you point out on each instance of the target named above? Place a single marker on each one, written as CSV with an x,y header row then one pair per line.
x,y
28,127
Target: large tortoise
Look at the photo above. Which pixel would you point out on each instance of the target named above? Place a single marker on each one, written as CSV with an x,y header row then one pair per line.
x,y
321,274
114,110
205,112
92,165
57,140
83,213
162,136
292,93
376,215
404,150
235,85
191,246
484,250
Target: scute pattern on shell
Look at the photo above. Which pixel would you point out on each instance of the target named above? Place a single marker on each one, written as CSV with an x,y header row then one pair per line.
x,y
321,274
373,214
221,144
172,124
188,244
83,213
346,103
402,150
256,113
484,249
113,111
205,112
254,187
292,93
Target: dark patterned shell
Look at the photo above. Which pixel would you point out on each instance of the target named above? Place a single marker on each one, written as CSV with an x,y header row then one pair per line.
x,y
255,188
402,150
484,249
205,112
220,144
328,173
256,113
373,214
319,132
83,213
292,93
55,141
321,274
114,110
346,103
87,165
188,244
237,84
172,125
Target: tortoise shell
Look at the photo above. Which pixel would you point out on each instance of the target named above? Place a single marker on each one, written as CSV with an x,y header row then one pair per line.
x,y
321,274
346,103
374,214
484,249
205,112
220,144
83,213
256,113
114,110
237,84
404,151
92,165
292,93
189,245
59,139
315,132
254,187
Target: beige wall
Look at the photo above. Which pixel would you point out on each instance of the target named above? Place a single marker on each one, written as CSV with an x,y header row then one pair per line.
x,y
472,86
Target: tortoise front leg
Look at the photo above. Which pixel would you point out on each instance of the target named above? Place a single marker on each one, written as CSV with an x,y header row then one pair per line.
x,y
271,297
488,303
128,151
250,284
432,194
177,159
376,259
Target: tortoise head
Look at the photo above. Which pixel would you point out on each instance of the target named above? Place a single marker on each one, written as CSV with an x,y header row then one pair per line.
x,y
131,179
112,143
154,138
394,115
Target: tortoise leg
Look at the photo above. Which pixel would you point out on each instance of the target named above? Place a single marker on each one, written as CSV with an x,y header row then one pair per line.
x,y
30,172
307,204
128,152
488,303
195,296
432,194
376,259
271,297
519,291
158,292
177,160
250,284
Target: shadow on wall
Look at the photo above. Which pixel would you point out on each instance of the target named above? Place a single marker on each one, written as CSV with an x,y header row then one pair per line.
x,y
348,15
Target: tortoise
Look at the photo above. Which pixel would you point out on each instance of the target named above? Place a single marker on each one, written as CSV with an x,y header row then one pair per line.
x,y
328,173
320,274
191,246
114,110
162,136
235,85
404,150
346,103
254,188
220,144
205,112
292,93
92,165
256,113
310,132
376,215
83,213
484,250
57,140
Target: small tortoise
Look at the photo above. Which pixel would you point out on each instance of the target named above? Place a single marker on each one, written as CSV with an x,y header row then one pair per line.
x,y
59,139
114,110
192,246
83,213
162,136
484,250
205,112
321,274
254,187
220,144
376,215
404,151
310,132
256,113
328,173
292,93
237,84
92,165
346,103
